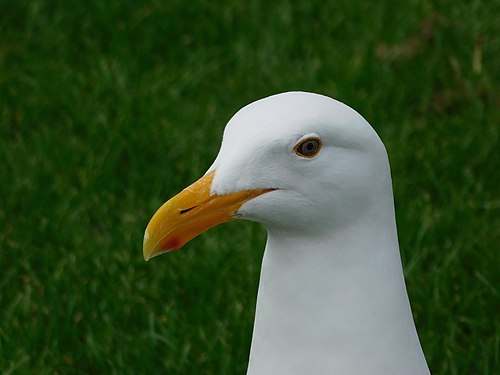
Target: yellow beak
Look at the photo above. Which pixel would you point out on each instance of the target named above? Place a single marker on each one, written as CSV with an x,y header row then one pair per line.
x,y
191,212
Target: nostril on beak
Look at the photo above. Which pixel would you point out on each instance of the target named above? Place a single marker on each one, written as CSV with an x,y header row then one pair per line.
x,y
186,210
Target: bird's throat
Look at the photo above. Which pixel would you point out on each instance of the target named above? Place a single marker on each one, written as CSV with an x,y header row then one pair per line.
x,y
334,304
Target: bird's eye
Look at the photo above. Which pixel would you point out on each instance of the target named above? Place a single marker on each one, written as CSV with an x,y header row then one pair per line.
x,y
308,148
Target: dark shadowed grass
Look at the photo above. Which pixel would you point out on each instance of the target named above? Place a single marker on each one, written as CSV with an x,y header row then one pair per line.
x,y
109,108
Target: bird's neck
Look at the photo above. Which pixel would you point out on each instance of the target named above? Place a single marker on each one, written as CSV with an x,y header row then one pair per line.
x,y
335,304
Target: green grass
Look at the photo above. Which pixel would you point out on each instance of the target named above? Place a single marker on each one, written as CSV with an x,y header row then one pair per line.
x,y
107,108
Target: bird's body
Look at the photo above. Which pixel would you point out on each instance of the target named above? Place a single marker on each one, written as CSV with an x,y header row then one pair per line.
x,y
332,297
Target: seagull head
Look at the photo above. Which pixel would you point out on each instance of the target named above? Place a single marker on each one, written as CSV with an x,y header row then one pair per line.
x,y
295,161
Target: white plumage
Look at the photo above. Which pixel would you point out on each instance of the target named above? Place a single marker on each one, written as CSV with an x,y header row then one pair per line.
x,y
332,297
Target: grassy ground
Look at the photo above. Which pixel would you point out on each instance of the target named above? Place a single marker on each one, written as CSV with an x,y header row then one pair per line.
x,y
107,108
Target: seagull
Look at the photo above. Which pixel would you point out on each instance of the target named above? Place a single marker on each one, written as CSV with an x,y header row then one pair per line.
x,y
332,297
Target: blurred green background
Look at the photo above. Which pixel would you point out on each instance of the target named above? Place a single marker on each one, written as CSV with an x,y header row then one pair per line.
x,y
108,108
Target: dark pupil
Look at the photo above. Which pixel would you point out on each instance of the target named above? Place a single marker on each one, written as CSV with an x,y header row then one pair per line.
x,y
309,147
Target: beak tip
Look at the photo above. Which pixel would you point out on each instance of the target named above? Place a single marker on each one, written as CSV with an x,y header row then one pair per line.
x,y
146,246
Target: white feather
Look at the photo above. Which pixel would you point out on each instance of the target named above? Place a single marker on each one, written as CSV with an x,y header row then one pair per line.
x,y
332,297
